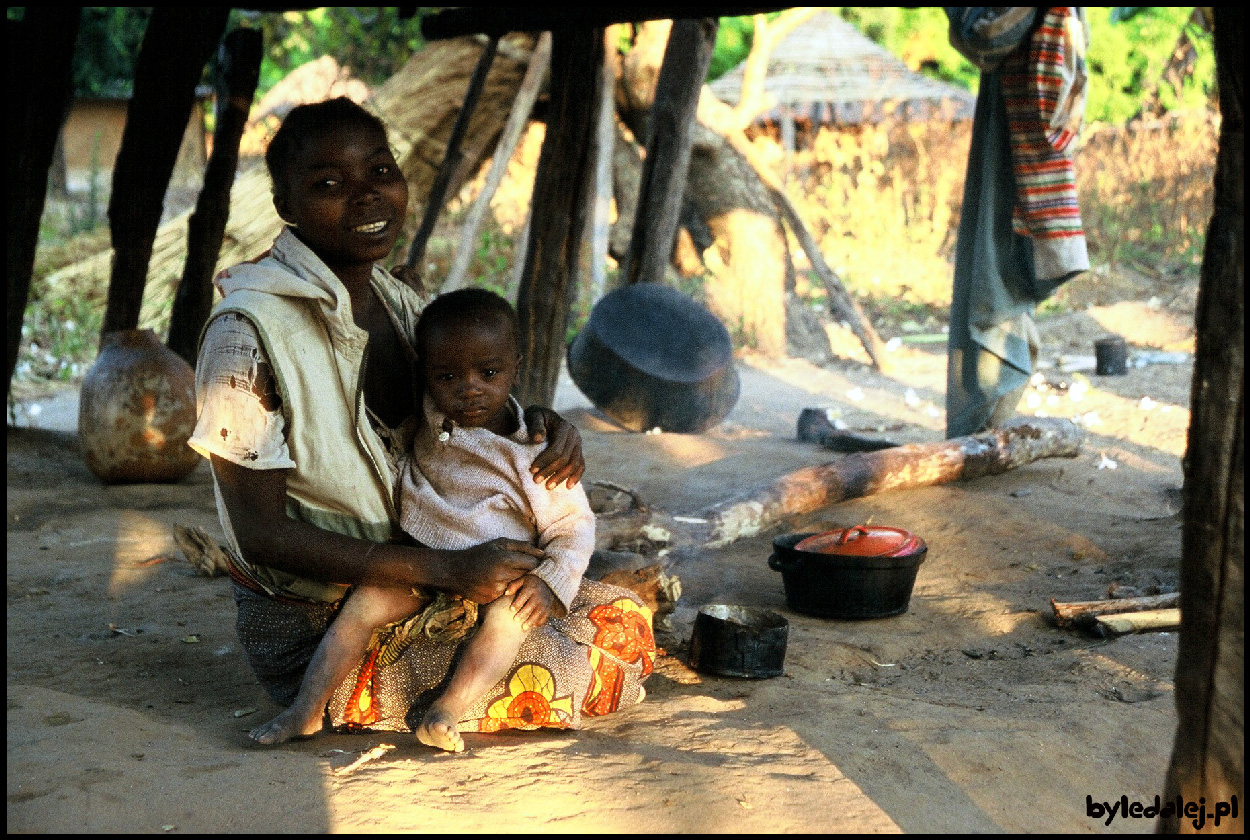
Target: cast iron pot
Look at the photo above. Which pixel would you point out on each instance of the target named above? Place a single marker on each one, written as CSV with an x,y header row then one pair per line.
x,y
734,641
651,356
850,573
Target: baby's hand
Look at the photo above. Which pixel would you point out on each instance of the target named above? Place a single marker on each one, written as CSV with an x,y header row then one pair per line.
x,y
532,600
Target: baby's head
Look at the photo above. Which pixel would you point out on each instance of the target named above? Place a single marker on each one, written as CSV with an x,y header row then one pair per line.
x,y
468,342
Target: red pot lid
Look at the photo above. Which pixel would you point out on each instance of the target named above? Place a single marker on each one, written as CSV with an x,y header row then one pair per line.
x,y
863,541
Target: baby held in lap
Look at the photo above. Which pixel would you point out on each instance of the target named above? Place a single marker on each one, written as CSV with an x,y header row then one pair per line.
x,y
468,480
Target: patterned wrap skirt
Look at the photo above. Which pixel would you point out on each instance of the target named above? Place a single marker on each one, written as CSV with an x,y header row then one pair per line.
x,y
592,661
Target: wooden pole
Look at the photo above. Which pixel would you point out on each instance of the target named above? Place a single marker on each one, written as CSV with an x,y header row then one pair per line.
x,y
451,162
562,188
518,118
1208,756
604,149
669,134
176,46
40,53
240,63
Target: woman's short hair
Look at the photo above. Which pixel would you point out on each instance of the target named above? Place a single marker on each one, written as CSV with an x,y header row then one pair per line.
x,y
306,122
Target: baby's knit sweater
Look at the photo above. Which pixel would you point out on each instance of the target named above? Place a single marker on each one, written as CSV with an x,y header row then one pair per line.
x,y
474,486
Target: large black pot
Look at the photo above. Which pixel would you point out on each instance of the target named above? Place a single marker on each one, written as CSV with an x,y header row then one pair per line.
x,y
846,584
651,357
734,641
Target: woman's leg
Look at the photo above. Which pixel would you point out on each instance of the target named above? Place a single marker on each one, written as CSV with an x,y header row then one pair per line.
x,y
340,651
485,660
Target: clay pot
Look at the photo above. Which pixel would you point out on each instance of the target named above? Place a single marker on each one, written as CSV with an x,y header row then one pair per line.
x,y
136,411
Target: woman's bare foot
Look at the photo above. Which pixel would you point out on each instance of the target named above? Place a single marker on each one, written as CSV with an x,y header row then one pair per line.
x,y
287,726
438,729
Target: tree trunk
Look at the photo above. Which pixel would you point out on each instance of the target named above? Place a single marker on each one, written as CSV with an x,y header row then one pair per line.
x,y
562,191
41,49
194,300
176,46
1208,757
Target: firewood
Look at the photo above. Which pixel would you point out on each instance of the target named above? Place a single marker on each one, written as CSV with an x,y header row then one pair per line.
x,y
1147,621
1085,613
853,476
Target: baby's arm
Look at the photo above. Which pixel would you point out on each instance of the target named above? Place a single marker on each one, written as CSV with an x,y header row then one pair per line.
x,y
566,535
532,600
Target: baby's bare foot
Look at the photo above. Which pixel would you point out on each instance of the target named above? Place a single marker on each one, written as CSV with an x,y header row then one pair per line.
x,y
285,727
438,729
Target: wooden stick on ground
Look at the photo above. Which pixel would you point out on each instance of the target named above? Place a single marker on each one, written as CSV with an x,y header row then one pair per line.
x,y
1147,621
1084,613
853,476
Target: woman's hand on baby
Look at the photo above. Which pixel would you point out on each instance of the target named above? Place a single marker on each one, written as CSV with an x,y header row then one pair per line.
x,y
532,600
562,460
483,572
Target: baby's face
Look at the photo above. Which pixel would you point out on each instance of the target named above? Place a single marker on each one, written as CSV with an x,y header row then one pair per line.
x,y
469,372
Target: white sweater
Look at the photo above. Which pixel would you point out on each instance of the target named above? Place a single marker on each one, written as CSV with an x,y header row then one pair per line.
x,y
476,486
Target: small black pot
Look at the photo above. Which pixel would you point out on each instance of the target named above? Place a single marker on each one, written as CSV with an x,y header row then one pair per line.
x,y
846,586
733,641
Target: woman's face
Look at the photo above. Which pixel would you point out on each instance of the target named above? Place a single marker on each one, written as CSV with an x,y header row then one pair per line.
x,y
469,372
345,195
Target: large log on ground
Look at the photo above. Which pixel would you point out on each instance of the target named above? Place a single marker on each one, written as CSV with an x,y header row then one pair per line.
x,y
853,476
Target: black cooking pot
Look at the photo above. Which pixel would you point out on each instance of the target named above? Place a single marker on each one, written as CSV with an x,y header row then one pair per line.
x,y
651,356
851,573
734,641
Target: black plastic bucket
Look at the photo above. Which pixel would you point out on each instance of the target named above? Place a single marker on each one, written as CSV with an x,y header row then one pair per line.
x,y
733,641
845,586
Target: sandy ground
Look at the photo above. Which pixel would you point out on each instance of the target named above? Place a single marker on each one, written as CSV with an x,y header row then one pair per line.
x,y
128,699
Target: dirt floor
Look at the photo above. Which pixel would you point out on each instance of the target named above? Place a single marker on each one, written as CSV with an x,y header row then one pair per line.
x,y
128,698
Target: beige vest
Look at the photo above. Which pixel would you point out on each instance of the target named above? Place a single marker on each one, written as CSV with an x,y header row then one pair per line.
x,y
342,482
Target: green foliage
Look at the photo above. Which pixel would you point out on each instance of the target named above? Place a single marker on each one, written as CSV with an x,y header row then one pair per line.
x,y
919,36
1128,54
733,45
373,41
109,38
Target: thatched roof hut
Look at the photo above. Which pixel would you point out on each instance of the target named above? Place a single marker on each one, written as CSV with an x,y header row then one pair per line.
x,y
826,72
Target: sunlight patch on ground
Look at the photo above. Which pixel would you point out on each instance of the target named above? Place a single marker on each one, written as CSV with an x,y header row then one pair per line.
x,y
139,540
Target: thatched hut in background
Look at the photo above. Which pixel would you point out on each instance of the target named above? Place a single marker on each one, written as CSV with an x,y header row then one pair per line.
x,y
826,73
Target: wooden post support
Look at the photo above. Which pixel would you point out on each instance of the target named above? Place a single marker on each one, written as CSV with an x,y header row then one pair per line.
x,y
562,187
241,55
451,160
40,53
176,46
1208,757
669,133
518,118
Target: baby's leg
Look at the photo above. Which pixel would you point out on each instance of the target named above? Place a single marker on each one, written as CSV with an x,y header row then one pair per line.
x,y
340,651
484,661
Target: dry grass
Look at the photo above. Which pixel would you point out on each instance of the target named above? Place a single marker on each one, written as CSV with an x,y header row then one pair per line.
x,y
884,202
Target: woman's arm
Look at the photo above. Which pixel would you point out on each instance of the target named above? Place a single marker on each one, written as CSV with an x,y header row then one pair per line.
x,y
256,502
562,460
